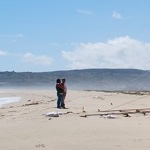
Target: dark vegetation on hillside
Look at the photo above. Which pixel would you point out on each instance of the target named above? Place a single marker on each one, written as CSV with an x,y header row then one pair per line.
x,y
86,79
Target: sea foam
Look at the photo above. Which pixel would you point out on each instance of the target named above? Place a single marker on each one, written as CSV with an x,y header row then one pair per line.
x,y
6,100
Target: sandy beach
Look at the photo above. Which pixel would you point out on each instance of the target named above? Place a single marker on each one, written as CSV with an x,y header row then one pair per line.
x,y
93,120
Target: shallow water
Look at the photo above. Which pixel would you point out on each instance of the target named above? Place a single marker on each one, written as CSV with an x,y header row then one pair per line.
x,y
6,100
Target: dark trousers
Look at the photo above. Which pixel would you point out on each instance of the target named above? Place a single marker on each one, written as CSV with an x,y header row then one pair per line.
x,y
59,100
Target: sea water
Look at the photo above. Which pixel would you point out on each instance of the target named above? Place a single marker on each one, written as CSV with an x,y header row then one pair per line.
x,y
6,100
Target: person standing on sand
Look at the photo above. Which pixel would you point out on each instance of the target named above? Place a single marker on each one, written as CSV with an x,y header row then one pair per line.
x,y
64,93
60,91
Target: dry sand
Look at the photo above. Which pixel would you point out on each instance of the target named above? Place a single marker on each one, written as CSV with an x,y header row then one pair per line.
x,y
24,126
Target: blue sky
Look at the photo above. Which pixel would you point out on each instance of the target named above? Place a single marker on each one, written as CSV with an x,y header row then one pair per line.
x,y
51,35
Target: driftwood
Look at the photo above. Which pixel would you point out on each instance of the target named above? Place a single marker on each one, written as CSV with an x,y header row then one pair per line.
x,y
33,103
125,112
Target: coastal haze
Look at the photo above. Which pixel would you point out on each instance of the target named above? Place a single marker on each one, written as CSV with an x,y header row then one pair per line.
x,y
85,79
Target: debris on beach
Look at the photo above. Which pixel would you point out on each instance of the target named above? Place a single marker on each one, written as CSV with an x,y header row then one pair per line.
x,y
33,103
57,114
109,116
83,110
98,97
113,113
53,114
40,146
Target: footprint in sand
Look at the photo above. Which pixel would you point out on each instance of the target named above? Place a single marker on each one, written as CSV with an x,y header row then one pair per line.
x,y
40,146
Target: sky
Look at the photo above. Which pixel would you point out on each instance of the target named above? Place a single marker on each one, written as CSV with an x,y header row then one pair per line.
x,y
53,35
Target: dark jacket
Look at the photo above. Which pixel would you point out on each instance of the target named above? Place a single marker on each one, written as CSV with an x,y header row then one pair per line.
x,y
59,88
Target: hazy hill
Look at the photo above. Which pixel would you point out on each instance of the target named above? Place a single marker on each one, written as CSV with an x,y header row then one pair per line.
x,y
86,79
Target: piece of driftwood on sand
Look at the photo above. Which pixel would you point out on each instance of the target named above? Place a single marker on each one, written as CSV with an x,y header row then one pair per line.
x,y
125,112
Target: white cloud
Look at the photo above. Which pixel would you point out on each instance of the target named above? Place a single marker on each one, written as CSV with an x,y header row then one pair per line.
x,y
86,12
122,52
2,53
38,60
116,15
